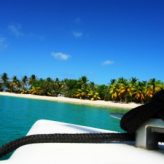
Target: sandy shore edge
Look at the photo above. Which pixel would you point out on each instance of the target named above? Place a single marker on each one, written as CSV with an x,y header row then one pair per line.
x,y
98,103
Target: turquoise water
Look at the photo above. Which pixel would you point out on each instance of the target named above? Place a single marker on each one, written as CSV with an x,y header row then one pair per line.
x,y
17,115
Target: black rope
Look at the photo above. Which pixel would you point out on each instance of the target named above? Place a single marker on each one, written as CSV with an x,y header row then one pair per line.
x,y
66,138
130,122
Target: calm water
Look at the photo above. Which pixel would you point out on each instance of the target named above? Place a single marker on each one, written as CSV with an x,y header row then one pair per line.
x,y
17,115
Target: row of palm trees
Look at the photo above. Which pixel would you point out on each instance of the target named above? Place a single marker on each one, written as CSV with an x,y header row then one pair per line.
x,y
118,90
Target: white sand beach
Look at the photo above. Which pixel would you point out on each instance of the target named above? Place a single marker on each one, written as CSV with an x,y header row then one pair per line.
x,y
98,103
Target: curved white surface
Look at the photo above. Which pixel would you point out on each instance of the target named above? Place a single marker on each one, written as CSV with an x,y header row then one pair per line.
x,y
61,153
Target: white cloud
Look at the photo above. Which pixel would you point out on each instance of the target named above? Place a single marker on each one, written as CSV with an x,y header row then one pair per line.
x,y
3,43
16,30
108,62
77,34
60,56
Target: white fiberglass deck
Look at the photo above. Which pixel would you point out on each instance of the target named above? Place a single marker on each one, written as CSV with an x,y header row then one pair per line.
x,y
64,153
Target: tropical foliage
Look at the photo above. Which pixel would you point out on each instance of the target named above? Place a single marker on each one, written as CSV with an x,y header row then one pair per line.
x,y
118,90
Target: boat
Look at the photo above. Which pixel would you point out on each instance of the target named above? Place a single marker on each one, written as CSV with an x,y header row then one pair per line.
x,y
97,153
144,123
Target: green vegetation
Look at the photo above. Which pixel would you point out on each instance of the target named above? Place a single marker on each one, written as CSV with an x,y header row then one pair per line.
x,y
118,90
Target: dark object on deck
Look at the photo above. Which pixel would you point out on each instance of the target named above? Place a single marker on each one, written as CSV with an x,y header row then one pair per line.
x,y
133,119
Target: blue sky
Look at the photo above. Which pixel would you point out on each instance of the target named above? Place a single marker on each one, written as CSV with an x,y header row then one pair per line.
x,y
102,39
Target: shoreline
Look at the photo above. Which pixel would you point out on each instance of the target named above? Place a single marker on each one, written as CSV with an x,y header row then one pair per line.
x,y
97,103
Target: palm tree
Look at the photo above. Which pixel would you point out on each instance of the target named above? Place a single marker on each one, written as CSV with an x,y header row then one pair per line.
x,y
114,91
58,86
153,86
81,94
123,92
92,91
24,84
4,77
93,95
103,92
133,80
35,91
139,92
152,82
1,88
131,88
32,79
122,85
49,79
25,80
112,81
69,87
5,82
15,85
83,81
